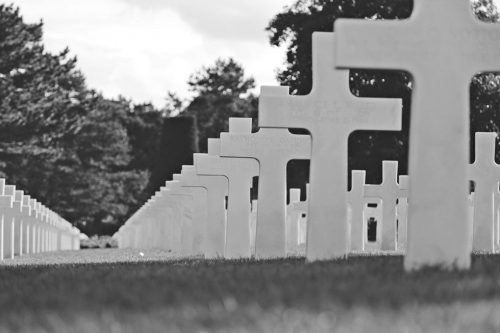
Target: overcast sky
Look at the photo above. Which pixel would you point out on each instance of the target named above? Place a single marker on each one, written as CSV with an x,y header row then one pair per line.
x,y
143,48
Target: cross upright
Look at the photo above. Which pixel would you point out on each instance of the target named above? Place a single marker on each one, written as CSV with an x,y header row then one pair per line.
x,y
292,222
198,213
216,187
273,148
240,173
485,173
402,212
442,45
357,204
184,200
330,113
388,191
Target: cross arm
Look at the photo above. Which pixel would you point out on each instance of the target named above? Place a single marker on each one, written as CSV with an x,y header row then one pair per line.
x,y
279,109
373,44
237,145
377,114
486,48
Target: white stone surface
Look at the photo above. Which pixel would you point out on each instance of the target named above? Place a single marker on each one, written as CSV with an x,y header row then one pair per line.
x,y
240,173
402,213
217,188
273,148
442,53
485,173
293,216
388,191
356,199
330,113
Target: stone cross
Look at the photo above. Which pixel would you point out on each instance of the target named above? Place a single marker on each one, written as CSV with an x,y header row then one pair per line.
x,y
240,173
253,225
198,213
216,187
292,222
7,212
388,191
497,221
170,224
485,173
200,209
402,212
443,46
330,113
18,226
185,203
357,203
273,148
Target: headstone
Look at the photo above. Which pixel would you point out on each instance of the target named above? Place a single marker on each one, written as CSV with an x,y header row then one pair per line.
x,y
372,219
198,213
356,198
402,213
240,173
253,225
497,221
184,200
388,191
273,148
442,52
217,188
18,226
292,223
485,173
330,113
200,209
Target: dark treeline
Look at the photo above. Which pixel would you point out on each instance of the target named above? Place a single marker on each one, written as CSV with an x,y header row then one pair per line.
x,y
95,160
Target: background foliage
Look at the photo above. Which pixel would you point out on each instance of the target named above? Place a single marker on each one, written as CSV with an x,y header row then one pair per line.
x,y
95,160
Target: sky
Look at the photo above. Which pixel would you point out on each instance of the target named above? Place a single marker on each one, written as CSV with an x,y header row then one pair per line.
x,y
143,48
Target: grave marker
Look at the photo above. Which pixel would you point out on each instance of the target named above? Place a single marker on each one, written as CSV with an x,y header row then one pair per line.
x,y
217,188
388,191
402,213
357,203
273,148
240,173
485,173
443,46
330,113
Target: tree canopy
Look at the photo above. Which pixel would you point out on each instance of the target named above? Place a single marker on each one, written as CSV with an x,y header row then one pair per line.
x,y
294,26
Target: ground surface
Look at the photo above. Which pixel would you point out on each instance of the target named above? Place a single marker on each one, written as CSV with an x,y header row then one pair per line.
x,y
129,291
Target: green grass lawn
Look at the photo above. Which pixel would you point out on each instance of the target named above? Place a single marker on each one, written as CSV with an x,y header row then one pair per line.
x,y
124,291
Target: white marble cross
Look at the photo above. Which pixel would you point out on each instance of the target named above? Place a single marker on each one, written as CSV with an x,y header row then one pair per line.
x,y
388,191
485,173
273,148
9,217
186,205
357,203
216,187
240,173
292,222
198,211
18,226
443,46
402,212
330,113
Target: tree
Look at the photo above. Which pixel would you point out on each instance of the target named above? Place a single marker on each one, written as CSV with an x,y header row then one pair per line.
x,y
178,143
84,156
225,78
221,91
294,27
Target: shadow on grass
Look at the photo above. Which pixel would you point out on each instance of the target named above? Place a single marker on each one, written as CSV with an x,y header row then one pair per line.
x,y
371,281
